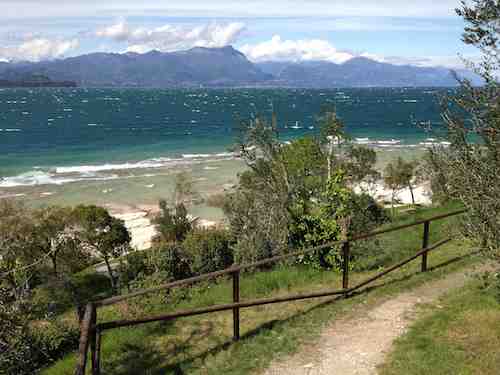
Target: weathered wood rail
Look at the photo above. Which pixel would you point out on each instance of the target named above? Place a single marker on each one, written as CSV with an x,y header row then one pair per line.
x,y
91,331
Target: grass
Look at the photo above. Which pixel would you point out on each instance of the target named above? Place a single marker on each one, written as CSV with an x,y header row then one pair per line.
x,y
458,335
202,344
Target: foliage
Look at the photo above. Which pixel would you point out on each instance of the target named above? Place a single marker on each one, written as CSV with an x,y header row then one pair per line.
x,y
26,347
173,261
325,224
131,267
102,234
400,175
286,199
172,226
359,164
258,210
17,261
209,250
55,239
276,330
332,133
468,169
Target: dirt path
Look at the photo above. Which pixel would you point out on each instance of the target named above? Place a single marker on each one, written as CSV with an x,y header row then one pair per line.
x,y
358,344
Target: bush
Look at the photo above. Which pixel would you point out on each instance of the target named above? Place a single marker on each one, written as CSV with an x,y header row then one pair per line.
x,y
368,214
131,267
34,347
172,260
209,250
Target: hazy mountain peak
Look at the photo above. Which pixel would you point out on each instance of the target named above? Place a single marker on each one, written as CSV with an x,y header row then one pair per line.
x,y
223,66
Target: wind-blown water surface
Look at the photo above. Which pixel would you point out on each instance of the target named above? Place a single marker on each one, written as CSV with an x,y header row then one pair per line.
x,y
62,135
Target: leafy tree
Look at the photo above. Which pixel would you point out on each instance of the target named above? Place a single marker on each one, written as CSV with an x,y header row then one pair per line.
x,y
278,200
102,234
360,164
17,261
357,161
172,225
332,134
54,237
400,175
468,169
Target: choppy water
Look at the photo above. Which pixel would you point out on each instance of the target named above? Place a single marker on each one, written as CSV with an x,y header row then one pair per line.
x,y
56,136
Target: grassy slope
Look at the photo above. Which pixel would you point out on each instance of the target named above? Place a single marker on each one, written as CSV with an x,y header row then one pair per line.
x,y
460,335
203,344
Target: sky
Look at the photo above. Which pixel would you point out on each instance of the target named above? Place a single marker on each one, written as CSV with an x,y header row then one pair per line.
x,y
417,32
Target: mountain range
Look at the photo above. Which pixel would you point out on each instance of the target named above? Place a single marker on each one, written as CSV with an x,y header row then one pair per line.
x,y
223,67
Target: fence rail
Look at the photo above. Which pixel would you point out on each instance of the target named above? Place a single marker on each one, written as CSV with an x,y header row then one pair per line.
x,y
91,331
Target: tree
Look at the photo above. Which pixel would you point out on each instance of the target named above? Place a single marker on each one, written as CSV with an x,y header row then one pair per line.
x,y
17,261
332,134
172,225
360,164
468,169
400,175
54,237
102,235
278,200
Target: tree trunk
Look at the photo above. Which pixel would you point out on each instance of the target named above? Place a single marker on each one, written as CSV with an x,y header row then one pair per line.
x,y
110,272
53,259
330,152
392,204
411,192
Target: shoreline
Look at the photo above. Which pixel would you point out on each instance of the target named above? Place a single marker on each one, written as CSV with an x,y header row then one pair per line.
x,y
134,197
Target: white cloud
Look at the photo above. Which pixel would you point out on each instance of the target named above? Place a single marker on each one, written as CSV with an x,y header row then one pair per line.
x,y
38,49
278,49
171,38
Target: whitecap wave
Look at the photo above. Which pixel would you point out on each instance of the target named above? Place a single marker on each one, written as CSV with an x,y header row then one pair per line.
x,y
46,178
102,172
153,163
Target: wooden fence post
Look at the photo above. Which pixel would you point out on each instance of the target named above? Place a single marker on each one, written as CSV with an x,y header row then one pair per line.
x,y
425,244
345,264
236,310
85,335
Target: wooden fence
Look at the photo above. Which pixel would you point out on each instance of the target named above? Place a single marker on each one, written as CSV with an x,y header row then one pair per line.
x,y
91,331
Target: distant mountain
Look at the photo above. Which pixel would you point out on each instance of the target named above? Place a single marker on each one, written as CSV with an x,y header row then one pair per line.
x,y
222,67
195,67
357,72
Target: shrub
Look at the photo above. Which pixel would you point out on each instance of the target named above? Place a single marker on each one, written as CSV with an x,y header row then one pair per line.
x,y
209,250
29,347
172,225
172,260
131,267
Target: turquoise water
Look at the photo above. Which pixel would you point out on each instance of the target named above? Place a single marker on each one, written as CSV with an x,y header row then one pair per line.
x,y
64,135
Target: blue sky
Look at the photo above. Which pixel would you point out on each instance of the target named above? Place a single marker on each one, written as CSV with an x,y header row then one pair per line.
x,y
421,32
